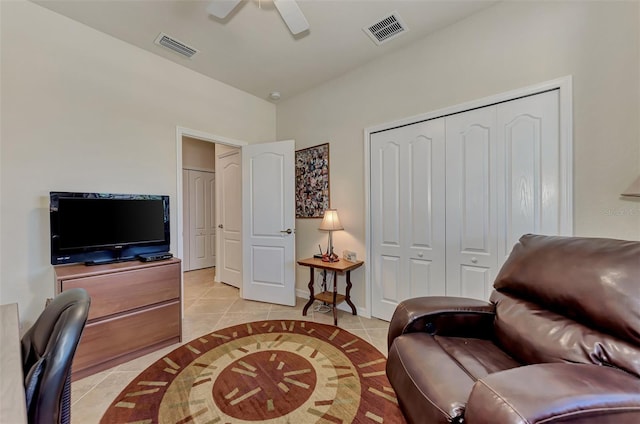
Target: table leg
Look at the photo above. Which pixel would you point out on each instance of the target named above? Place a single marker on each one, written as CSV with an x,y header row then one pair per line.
x,y
311,294
335,293
347,296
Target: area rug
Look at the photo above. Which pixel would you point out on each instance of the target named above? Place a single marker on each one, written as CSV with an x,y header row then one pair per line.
x,y
266,371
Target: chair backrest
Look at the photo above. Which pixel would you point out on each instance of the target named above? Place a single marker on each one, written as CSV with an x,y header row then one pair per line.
x,y
48,348
570,299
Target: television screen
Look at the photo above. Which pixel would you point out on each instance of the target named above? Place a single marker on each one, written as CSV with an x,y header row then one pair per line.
x,y
97,227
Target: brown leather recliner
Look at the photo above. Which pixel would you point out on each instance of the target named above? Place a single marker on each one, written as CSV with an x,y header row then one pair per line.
x,y
559,341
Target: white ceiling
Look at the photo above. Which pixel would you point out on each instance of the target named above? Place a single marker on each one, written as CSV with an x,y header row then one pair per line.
x,y
252,49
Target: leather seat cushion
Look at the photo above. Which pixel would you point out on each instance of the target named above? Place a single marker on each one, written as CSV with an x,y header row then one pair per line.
x,y
434,375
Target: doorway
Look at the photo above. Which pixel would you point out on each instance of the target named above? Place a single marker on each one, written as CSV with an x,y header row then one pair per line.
x,y
186,135
199,204
265,172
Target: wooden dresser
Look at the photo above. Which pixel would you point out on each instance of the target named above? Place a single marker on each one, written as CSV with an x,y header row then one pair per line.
x,y
135,309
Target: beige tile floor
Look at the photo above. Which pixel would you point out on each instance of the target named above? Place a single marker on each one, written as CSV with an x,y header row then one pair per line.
x,y
208,306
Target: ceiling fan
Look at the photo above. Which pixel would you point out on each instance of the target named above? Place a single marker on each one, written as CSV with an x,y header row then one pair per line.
x,y
288,9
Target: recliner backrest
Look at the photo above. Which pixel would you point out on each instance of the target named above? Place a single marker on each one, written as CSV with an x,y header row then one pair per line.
x,y
48,348
570,299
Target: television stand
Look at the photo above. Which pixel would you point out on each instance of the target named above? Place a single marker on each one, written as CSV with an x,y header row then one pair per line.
x,y
135,310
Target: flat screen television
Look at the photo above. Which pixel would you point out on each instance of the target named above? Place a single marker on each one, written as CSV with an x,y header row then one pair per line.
x,y
97,228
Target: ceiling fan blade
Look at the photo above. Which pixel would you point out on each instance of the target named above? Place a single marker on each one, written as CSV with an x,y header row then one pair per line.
x,y
221,8
292,16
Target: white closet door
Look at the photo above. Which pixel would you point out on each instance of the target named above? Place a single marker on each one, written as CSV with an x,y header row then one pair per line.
x,y
529,140
472,194
408,212
202,231
505,176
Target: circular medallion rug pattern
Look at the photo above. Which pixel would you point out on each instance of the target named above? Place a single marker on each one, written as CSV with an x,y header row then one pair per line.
x,y
265,371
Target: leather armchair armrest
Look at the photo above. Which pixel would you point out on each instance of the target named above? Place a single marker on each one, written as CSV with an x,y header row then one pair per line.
x,y
555,393
442,315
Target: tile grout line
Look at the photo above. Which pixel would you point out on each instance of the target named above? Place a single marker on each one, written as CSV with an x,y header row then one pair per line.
x,y
92,387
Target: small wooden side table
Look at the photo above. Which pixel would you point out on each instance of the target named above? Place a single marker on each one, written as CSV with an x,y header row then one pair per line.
x,y
331,297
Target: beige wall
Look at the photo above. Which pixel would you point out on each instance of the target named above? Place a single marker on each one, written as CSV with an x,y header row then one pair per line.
x,y
199,155
507,46
82,111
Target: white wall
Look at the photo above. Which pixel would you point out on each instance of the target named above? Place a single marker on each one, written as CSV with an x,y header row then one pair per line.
x,y
507,46
82,111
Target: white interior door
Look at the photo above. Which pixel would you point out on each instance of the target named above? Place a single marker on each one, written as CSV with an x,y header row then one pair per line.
x,y
229,213
268,222
472,195
186,234
408,197
202,228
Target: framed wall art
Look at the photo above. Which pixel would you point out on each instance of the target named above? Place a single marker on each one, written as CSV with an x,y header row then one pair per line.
x,y
312,181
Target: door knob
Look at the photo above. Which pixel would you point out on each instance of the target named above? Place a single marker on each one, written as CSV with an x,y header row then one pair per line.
x,y
219,225
420,254
288,231
474,260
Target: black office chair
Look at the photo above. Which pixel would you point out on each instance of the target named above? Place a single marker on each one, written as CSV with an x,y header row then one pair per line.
x,y
47,352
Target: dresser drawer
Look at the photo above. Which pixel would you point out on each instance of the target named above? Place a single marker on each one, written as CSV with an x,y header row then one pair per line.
x,y
126,290
125,335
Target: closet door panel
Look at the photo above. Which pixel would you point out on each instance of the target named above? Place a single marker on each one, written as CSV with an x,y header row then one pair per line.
x,y
474,169
471,202
530,137
420,187
422,280
390,272
474,281
390,195
425,211
522,185
385,223
407,203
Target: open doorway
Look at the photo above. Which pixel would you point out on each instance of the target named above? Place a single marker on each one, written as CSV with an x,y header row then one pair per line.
x,y
206,185
264,178
198,204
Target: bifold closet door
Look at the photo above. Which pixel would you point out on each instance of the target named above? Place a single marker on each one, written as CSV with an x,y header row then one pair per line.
x,y
407,211
503,181
451,196
472,202
529,157
202,231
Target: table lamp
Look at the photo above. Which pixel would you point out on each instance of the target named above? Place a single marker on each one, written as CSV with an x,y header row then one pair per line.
x,y
331,222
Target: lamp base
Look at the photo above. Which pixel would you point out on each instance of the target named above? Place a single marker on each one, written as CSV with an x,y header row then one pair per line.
x,y
330,258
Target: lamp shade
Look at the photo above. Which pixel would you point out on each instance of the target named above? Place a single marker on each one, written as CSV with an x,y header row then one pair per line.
x,y
331,221
633,190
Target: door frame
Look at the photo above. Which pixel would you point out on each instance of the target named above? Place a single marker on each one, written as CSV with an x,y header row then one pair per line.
x,y
203,136
565,87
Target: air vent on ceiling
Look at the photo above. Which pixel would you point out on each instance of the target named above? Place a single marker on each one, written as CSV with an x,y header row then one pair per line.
x,y
175,45
386,29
